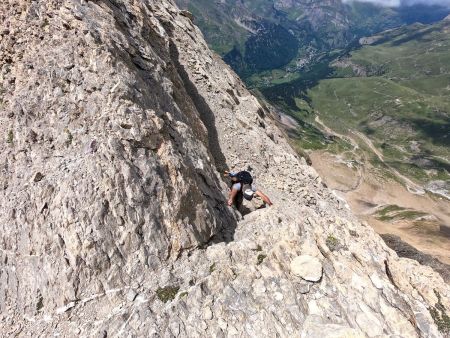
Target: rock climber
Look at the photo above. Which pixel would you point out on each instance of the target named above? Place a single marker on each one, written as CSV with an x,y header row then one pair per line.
x,y
241,187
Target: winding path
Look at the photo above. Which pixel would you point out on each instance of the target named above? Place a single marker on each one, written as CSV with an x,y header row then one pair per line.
x,y
412,187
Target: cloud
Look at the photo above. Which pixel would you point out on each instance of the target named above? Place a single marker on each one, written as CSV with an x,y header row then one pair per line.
x,y
397,3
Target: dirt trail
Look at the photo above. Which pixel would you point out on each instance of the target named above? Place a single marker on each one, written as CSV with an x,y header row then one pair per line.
x,y
412,187
332,132
369,144
366,191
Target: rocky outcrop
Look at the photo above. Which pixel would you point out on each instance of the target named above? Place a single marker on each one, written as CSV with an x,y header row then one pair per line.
x,y
116,122
307,267
403,249
107,167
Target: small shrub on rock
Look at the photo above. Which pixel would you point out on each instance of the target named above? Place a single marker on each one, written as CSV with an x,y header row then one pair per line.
x,y
353,233
332,243
69,138
440,316
167,293
10,138
258,248
260,259
212,268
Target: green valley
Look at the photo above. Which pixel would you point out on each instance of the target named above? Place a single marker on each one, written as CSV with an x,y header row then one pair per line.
x,y
375,121
395,92
262,35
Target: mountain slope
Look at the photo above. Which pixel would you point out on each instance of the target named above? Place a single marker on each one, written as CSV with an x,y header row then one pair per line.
x,y
395,92
113,219
232,27
380,121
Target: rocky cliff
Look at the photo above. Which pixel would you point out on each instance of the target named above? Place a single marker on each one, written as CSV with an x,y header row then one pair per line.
x,y
116,121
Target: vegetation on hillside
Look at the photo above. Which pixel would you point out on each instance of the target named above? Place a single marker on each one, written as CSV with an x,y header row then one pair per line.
x,y
390,96
402,104
259,35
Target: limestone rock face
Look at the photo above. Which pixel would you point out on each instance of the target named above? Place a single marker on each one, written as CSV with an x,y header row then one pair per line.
x,y
116,121
307,267
107,171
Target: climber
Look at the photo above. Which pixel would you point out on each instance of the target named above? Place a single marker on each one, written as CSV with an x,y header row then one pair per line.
x,y
241,187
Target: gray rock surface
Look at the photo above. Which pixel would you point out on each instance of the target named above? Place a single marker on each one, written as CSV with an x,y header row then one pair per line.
x,y
116,122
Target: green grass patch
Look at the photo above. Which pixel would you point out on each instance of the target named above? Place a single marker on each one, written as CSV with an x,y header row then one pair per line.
x,y
440,316
332,243
212,268
394,212
388,213
390,114
167,293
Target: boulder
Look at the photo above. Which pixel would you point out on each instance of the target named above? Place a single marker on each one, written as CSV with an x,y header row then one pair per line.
x,y
307,267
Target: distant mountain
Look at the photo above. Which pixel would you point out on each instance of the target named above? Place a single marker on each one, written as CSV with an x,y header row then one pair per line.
x,y
394,89
259,35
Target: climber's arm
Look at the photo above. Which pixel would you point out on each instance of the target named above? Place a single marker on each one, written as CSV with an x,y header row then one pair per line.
x,y
232,196
264,197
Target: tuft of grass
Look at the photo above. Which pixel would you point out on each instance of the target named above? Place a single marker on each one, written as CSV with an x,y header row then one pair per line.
x,y
183,294
332,243
69,138
212,268
167,293
260,259
10,137
45,23
353,233
2,92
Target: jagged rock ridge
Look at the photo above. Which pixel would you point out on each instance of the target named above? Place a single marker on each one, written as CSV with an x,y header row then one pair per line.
x,y
117,120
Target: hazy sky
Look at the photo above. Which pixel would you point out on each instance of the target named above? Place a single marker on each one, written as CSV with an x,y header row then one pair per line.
x,y
394,3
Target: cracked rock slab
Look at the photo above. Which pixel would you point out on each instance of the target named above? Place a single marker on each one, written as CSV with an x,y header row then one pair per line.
x,y
307,267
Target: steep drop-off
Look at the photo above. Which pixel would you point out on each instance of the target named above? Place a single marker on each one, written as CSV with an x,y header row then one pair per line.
x,y
116,122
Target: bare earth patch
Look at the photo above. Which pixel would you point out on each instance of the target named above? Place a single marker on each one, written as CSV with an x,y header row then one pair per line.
x,y
368,193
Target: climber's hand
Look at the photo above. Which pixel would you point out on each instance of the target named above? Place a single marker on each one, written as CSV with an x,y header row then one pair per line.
x,y
230,202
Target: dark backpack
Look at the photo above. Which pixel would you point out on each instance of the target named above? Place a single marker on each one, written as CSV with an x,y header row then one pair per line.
x,y
244,177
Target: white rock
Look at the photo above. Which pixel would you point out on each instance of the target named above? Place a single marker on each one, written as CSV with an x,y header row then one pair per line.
x,y
312,330
307,267
131,295
278,296
207,313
